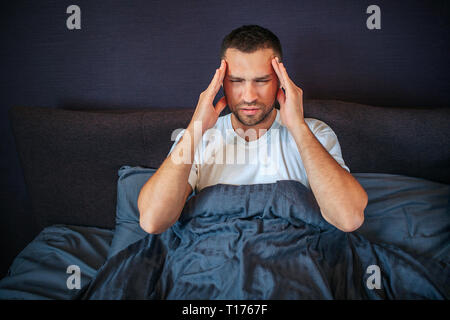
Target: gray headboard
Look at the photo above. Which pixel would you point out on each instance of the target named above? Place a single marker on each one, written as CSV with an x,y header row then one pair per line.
x,y
70,158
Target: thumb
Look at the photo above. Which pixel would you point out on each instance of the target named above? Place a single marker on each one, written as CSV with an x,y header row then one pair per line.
x,y
220,105
281,97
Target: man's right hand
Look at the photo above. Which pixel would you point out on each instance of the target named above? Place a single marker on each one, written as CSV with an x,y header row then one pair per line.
x,y
205,110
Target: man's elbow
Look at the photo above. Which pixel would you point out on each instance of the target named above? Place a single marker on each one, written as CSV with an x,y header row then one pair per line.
x,y
150,227
147,221
355,220
156,219
353,223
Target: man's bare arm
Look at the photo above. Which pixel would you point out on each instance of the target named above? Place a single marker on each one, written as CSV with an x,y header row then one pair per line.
x,y
163,196
341,198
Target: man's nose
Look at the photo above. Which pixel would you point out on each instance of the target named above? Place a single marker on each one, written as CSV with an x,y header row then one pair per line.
x,y
249,94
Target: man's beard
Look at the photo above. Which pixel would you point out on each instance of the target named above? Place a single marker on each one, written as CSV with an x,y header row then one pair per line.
x,y
252,120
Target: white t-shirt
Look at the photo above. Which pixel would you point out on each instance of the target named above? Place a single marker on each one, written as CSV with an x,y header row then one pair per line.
x,y
227,158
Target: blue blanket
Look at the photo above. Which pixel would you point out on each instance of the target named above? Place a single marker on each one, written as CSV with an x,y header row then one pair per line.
x,y
269,241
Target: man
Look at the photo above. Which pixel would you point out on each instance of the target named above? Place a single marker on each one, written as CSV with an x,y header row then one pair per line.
x,y
307,150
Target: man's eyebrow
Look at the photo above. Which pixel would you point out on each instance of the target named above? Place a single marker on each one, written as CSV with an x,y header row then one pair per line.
x,y
258,78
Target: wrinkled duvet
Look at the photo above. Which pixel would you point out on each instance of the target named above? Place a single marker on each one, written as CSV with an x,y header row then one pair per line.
x,y
269,241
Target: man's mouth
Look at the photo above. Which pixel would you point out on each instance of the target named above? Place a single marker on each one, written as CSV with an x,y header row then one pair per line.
x,y
249,110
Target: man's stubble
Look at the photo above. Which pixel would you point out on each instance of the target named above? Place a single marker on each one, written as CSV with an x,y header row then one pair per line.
x,y
252,121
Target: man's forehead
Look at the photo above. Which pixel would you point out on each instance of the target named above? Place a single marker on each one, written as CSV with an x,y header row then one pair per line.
x,y
256,65
241,73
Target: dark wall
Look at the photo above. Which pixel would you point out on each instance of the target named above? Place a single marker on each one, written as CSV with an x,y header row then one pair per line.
x,y
131,54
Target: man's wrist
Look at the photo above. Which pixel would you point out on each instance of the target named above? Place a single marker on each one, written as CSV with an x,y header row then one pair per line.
x,y
195,132
299,129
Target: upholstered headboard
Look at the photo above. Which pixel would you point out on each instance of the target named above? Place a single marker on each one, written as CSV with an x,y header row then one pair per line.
x,y
70,158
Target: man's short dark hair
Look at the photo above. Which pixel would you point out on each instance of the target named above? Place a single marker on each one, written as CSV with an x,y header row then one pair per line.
x,y
250,38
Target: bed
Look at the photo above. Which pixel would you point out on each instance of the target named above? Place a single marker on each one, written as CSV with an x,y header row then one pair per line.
x,y
84,169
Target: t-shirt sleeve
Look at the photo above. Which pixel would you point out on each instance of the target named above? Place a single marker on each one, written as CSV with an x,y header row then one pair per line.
x,y
329,141
192,180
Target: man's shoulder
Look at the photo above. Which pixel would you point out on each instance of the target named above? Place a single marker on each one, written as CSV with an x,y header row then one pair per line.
x,y
316,125
222,118
222,121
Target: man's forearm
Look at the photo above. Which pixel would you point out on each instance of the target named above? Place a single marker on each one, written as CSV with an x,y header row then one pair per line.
x,y
161,199
341,198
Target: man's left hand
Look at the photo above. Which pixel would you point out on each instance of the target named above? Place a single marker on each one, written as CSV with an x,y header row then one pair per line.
x,y
291,102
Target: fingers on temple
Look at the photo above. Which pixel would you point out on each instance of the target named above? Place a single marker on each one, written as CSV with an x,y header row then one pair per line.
x,y
284,73
222,72
276,67
217,80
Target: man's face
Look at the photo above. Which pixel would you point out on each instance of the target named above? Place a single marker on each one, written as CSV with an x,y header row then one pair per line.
x,y
250,85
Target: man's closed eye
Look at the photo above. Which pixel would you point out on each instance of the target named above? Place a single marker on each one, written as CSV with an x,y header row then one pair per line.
x,y
258,81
